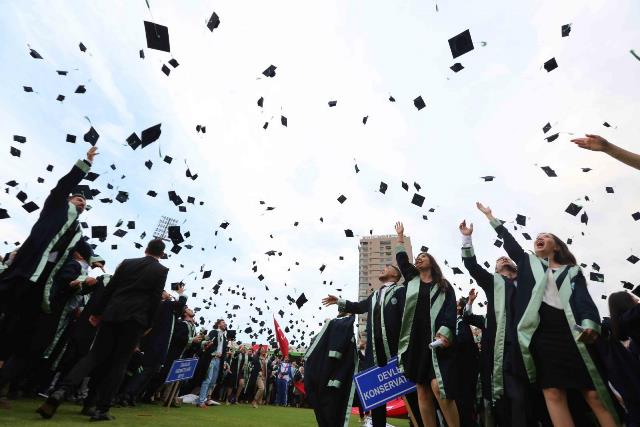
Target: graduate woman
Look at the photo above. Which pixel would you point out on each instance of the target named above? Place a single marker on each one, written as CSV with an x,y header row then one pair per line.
x,y
429,316
556,322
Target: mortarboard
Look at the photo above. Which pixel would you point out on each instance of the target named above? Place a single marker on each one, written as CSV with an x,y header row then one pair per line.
x,y
342,199
61,72
565,30
596,277
20,139
552,137
14,152
283,121
157,36
91,176
84,191
364,120
457,67
521,220
302,299
584,219
168,159
148,164
550,65
30,207
573,209
91,136
174,63
546,128
261,102
461,44
498,243
419,103
383,187
151,134
635,216
152,193
22,196
405,186
166,70
141,54
609,189
27,88
82,47
120,233
633,259
131,225
348,233
606,124
60,98
550,172
71,138
80,89
333,103
424,249
34,54
122,196
99,231
488,178
213,22
270,71
417,200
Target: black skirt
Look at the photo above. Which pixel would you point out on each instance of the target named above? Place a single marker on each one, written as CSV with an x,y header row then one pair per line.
x,y
555,353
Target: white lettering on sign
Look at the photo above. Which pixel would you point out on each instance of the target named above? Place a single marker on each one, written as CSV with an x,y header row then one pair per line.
x,y
386,386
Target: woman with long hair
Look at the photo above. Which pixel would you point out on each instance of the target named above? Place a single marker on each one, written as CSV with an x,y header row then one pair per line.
x,y
260,372
429,317
557,321
624,309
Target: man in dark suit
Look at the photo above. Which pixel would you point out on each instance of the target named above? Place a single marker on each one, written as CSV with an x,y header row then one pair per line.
x,y
125,311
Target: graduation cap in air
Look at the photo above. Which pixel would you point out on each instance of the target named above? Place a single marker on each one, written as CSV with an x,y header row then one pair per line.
x,y
84,191
91,176
552,137
82,47
364,120
120,233
596,277
131,225
270,71
174,63
213,22
141,54
633,259
609,190
91,136
456,270
20,139
166,70
333,103
60,98
550,172
27,88
565,30
546,128
99,231
457,67
34,54
4,214
151,134
417,200
302,299
283,121
487,178
348,233
521,220
461,44
61,72
122,196
30,207
550,65
71,138
342,199
419,103
81,89
424,249
261,102
383,187
635,216
157,36
168,159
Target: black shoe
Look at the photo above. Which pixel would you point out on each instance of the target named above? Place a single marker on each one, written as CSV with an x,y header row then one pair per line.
x,y
102,416
89,411
50,406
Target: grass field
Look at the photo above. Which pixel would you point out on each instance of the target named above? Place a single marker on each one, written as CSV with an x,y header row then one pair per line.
x,y
23,414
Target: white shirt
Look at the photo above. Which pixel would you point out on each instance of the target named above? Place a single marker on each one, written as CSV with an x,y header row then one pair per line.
x,y
220,339
551,295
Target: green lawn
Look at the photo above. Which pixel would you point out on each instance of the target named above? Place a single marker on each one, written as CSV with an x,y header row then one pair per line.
x,y
23,414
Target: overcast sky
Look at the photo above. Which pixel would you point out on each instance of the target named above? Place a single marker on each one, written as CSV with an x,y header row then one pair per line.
x,y
484,120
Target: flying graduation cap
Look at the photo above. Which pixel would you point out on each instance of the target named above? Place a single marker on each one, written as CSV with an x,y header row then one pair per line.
x,y
461,44
157,36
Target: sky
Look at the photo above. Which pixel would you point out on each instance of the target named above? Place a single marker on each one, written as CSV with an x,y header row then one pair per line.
x,y
484,120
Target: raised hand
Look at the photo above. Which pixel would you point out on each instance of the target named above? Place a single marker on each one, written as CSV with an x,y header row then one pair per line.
x,y
472,295
399,228
484,209
329,300
592,142
466,231
93,151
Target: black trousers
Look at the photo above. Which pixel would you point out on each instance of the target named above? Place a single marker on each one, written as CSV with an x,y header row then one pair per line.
x,y
516,407
110,353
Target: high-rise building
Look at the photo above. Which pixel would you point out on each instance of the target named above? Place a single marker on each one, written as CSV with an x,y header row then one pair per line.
x,y
375,253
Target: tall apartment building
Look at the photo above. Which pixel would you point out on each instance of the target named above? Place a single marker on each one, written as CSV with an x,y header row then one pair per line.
x,y
375,253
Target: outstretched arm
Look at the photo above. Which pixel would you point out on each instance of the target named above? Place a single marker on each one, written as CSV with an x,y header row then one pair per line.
x,y
480,275
511,245
357,307
408,270
597,143
67,183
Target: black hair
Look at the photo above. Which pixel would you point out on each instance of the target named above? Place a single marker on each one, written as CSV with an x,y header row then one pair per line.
x,y
155,247
619,302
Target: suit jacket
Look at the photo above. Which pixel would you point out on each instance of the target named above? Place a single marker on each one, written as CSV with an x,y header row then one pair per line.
x,y
134,292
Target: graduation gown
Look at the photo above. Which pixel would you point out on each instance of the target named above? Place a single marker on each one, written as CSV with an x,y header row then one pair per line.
x,y
57,230
578,307
428,311
156,344
330,362
498,330
239,366
390,319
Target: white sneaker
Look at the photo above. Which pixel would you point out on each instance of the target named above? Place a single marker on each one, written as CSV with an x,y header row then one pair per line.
x,y
367,422
212,402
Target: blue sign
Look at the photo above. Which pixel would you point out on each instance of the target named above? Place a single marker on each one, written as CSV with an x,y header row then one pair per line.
x,y
378,385
182,369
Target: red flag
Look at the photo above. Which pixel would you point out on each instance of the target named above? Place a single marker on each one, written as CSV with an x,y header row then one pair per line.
x,y
283,343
